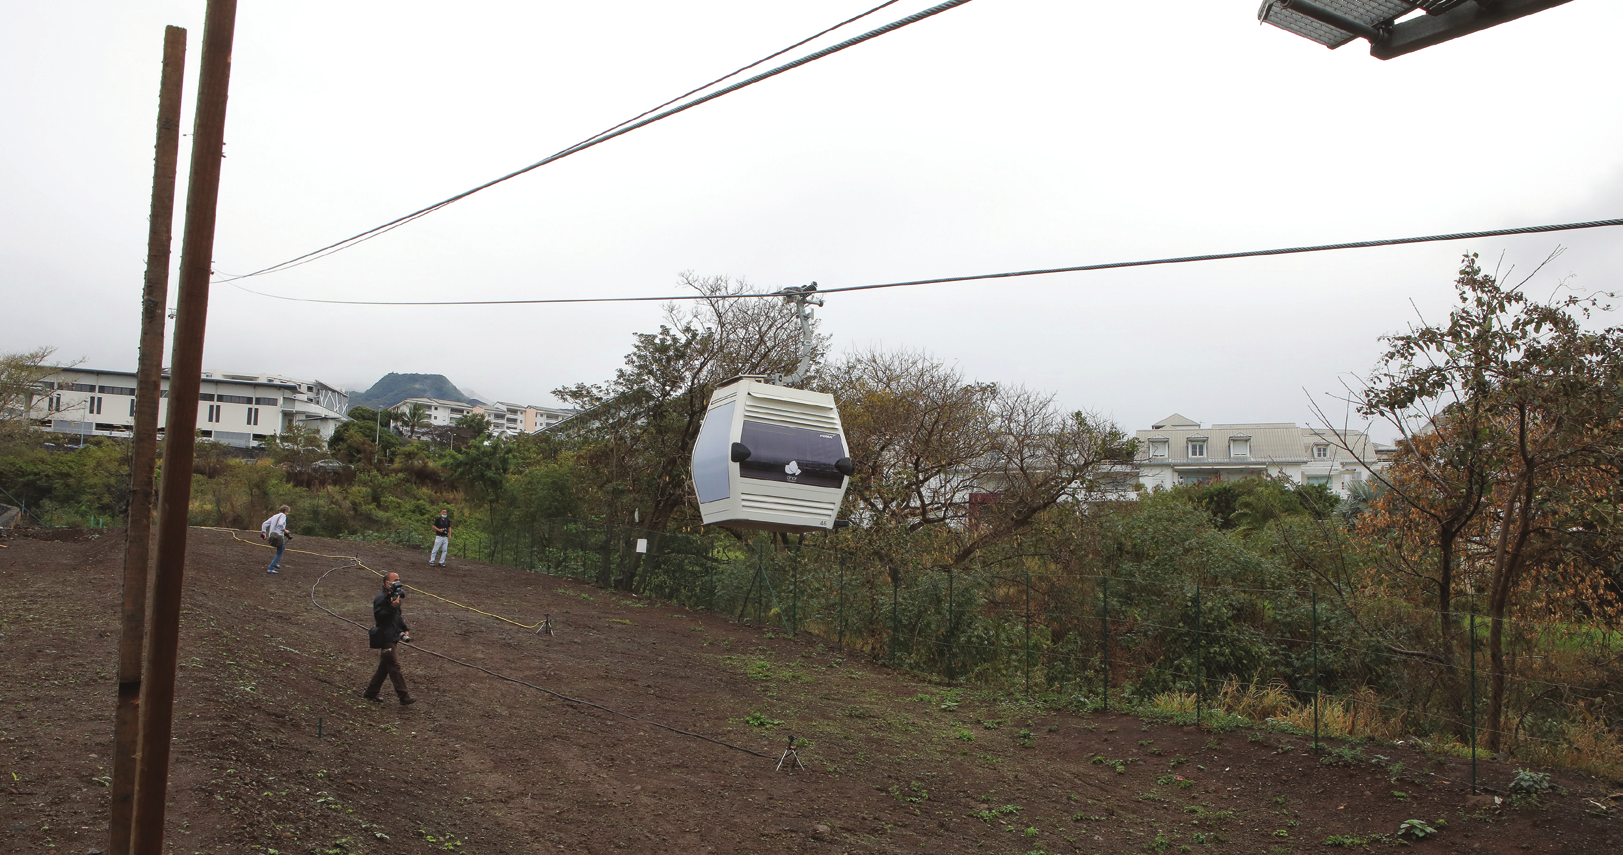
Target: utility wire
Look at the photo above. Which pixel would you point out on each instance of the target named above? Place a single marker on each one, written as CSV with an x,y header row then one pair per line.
x,y
641,121
1081,268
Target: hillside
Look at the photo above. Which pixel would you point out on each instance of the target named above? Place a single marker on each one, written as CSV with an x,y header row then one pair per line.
x,y
394,388
276,753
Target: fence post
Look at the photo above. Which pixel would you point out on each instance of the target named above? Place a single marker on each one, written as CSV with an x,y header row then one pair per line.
x,y
842,600
1104,640
794,595
951,675
1316,746
1200,660
895,601
1028,632
1472,642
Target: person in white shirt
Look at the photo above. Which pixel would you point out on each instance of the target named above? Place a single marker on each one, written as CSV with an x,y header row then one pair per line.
x,y
274,531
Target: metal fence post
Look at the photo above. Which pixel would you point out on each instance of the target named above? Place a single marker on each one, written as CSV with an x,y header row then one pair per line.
x,y
951,675
1028,632
1316,746
1200,660
1104,640
794,595
842,600
895,602
1472,642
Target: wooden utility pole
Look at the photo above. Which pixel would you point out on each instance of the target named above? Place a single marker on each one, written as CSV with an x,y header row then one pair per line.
x,y
143,457
157,703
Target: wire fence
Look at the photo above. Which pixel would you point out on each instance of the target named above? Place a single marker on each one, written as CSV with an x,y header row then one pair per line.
x,y
1340,665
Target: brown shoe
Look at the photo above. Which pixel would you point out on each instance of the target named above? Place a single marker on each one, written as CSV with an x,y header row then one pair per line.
x,y
373,698
407,701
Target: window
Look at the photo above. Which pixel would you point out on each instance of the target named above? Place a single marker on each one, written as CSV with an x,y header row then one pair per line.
x,y
115,390
132,407
205,396
1319,479
76,387
1321,451
791,455
95,405
1158,449
266,402
1240,447
56,403
1197,449
253,415
234,399
214,412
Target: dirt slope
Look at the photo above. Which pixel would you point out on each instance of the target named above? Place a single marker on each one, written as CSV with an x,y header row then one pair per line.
x,y
483,765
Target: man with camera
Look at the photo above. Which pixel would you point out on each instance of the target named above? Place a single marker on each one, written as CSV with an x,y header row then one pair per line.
x,y
391,629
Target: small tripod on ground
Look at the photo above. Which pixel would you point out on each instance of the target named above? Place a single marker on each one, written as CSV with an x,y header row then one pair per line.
x,y
546,624
788,752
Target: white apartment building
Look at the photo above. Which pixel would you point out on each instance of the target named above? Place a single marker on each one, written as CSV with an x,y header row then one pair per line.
x,y
1178,450
237,409
440,412
506,419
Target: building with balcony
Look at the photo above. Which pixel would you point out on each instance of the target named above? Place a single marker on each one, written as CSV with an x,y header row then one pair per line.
x,y
242,410
1178,450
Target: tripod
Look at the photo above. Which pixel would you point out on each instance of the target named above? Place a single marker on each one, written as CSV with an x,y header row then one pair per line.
x,y
546,624
788,752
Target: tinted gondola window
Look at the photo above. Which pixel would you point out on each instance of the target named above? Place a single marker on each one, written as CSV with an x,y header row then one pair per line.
x,y
710,459
792,455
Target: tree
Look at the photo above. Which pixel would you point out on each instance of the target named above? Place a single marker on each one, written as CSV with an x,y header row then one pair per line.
x,y
415,418
24,381
1512,441
296,449
365,439
925,439
634,437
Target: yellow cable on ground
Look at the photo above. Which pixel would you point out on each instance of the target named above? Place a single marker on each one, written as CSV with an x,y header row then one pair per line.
x,y
233,533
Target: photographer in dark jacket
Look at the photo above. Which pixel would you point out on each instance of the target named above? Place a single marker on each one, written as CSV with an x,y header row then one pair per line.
x,y
391,630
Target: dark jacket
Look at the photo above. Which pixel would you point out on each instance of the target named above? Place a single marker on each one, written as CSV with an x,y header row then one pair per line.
x,y
442,526
388,618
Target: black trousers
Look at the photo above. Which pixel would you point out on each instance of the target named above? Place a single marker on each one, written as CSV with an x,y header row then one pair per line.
x,y
388,666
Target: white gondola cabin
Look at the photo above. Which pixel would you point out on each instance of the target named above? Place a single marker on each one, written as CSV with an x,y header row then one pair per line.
x,y
770,457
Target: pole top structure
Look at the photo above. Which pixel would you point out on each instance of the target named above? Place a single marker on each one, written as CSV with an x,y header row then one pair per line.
x,y
1393,27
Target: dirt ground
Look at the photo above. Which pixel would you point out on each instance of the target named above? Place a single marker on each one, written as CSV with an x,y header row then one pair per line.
x,y
275,751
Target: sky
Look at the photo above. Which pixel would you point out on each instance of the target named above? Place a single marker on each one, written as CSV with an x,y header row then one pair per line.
x,y
1002,135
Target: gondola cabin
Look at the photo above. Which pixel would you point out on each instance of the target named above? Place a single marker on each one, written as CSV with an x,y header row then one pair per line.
x,y
770,457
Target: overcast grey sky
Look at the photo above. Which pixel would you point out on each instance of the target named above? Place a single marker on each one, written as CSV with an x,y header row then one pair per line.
x,y
1003,135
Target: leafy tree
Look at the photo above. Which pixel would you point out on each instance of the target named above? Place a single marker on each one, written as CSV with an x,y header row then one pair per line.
x,y
366,439
415,418
635,435
924,439
1511,414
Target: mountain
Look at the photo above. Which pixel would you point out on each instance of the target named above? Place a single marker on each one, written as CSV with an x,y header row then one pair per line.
x,y
394,388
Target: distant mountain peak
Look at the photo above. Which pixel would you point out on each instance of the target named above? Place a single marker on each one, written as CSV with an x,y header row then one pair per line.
x,y
395,387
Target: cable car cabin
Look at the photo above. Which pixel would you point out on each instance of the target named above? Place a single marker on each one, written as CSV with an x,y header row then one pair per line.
x,y
770,457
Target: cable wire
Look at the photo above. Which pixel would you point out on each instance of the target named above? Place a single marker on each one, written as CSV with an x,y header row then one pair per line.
x,y
641,121
977,277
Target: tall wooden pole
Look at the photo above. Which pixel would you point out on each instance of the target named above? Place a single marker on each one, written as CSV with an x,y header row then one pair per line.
x,y
154,296
180,441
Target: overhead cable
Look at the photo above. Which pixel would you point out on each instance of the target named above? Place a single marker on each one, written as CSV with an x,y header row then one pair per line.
x,y
641,121
1080,268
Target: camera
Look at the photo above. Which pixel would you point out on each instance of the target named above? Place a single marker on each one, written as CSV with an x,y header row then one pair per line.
x,y
397,589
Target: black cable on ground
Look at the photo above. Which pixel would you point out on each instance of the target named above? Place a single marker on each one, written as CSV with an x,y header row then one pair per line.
x,y
555,694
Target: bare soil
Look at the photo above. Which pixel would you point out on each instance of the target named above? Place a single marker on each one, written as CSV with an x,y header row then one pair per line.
x,y
275,751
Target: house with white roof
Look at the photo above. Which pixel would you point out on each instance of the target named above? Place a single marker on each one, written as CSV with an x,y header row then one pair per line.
x,y
1178,450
